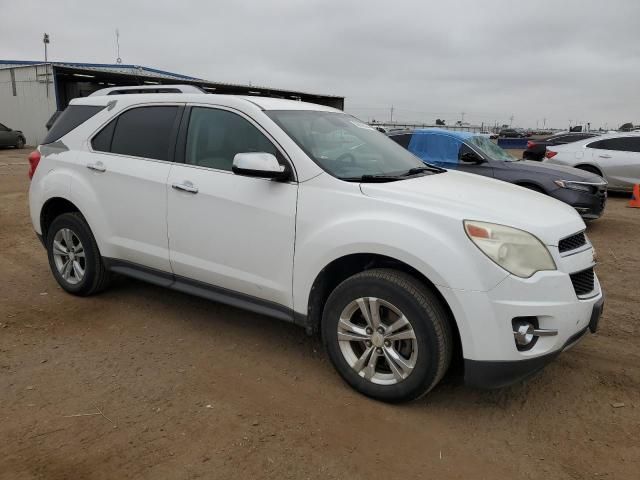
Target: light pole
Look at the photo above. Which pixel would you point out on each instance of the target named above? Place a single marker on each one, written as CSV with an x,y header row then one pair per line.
x,y
45,40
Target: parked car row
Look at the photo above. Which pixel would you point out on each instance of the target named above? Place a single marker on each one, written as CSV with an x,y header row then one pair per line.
x,y
537,148
473,153
304,213
514,133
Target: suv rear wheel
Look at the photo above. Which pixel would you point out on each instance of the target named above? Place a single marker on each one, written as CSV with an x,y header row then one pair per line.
x,y
387,335
74,257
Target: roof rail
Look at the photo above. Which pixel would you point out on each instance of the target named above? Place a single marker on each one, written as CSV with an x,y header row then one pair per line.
x,y
147,89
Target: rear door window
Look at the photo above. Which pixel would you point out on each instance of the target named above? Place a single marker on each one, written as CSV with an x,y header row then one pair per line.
x,y
146,132
71,118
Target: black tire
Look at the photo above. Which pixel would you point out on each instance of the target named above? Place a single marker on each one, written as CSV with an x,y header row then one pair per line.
x,y
420,306
96,276
20,143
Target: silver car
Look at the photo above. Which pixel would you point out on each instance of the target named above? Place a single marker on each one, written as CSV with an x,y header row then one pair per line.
x,y
615,157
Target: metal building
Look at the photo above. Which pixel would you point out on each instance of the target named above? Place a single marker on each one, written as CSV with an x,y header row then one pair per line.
x,y
31,92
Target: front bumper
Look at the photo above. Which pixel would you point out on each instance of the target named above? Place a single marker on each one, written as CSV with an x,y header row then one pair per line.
x,y
590,206
496,374
485,318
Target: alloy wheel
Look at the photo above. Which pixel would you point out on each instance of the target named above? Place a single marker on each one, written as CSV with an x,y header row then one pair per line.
x,y
377,340
69,256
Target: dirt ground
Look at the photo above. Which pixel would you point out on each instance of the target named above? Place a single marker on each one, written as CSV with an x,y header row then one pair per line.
x,y
143,382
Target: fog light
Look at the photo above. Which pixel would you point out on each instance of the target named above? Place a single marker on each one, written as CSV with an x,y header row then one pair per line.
x,y
523,333
526,332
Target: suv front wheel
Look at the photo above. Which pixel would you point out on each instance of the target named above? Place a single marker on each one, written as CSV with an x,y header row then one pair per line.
x,y
74,257
387,335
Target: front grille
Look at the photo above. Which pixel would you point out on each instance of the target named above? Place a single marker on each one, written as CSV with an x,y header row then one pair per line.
x,y
583,282
572,242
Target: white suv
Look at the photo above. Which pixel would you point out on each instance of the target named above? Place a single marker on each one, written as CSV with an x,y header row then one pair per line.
x,y
303,213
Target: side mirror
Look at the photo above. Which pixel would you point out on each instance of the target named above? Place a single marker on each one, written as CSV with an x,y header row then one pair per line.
x,y
259,164
471,157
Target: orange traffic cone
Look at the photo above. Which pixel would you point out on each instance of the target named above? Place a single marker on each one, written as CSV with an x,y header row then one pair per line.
x,y
635,197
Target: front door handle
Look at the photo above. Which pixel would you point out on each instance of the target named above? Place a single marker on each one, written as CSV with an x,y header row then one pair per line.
x,y
185,187
604,155
96,167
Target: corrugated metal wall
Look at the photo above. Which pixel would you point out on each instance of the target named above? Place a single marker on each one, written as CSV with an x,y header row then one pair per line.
x,y
24,104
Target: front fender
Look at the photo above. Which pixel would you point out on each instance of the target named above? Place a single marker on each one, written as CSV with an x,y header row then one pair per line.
x,y
346,222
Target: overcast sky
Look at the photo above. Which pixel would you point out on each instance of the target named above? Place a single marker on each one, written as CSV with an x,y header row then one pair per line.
x,y
533,59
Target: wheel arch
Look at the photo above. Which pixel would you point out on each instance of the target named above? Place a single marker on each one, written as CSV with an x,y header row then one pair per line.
x,y
589,167
346,266
52,208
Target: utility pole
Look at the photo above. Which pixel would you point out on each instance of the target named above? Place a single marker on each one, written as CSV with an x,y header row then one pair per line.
x,y
391,115
118,59
544,123
511,120
462,118
45,40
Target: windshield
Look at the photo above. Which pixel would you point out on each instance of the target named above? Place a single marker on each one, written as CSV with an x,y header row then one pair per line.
x,y
344,146
490,149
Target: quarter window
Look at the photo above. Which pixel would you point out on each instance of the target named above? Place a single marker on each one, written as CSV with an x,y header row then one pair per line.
x,y
216,136
140,132
72,117
402,139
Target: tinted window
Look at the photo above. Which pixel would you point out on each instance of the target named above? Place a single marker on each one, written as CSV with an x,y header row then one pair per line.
x,y
72,117
435,148
144,132
215,136
3,128
569,138
102,141
402,139
624,144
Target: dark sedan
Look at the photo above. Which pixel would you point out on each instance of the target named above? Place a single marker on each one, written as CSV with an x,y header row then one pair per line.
x,y
537,148
473,153
11,138
512,133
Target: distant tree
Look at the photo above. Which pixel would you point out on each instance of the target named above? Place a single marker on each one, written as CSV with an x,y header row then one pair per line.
x,y
626,127
439,121
459,123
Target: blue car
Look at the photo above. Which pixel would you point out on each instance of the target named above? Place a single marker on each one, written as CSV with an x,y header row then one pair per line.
x,y
475,153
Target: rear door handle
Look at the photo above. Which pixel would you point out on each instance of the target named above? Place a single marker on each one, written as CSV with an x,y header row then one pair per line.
x,y
604,155
96,167
185,187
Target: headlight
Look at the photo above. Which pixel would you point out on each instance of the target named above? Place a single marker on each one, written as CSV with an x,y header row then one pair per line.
x,y
517,251
572,185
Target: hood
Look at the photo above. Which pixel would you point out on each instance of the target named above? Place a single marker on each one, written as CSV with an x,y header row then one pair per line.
x,y
465,196
558,172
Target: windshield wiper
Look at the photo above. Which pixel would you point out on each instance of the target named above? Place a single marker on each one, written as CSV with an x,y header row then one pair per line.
x,y
373,178
426,168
